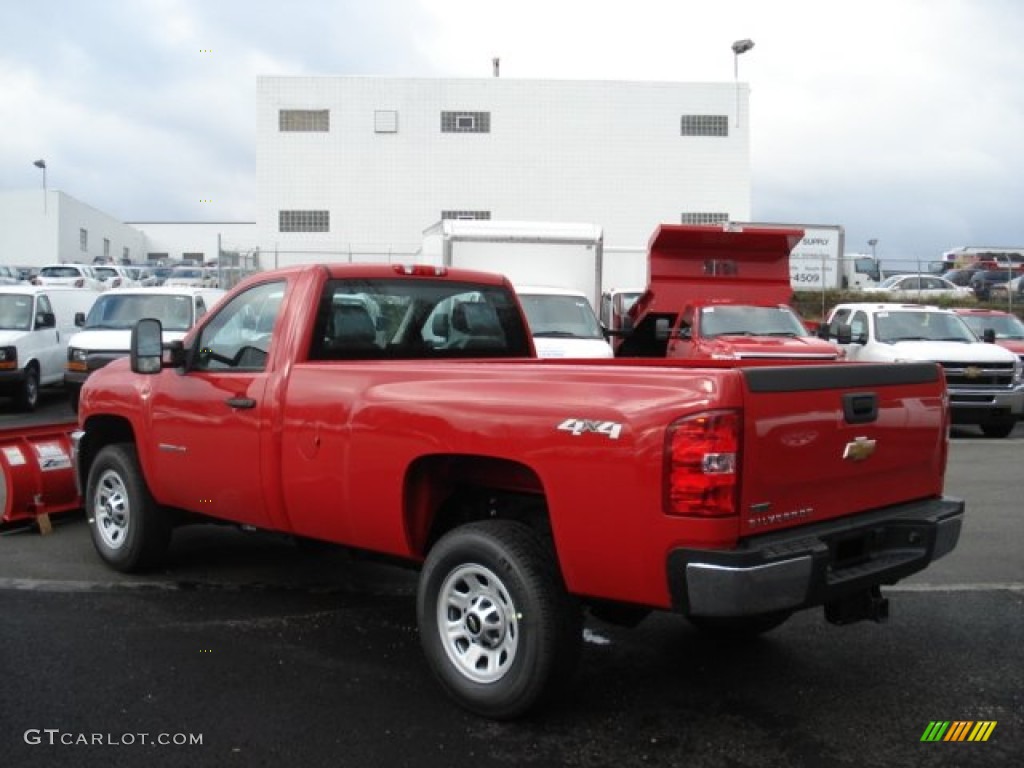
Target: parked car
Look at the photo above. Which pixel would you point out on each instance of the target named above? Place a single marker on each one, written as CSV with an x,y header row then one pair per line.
x,y
984,280
924,287
1015,288
197,277
961,276
1007,329
114,276
10,276
74,275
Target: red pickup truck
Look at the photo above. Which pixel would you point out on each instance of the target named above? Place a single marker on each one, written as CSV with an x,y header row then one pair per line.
x,y
717,293
399,410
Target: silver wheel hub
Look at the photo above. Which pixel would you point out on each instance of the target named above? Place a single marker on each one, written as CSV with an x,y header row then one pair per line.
x,y
478,623
111,510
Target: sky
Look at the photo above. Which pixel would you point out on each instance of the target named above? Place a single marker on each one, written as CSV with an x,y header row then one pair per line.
x,y
901,120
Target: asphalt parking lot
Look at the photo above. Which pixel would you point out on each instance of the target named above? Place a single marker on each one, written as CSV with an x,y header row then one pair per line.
x,y
250,650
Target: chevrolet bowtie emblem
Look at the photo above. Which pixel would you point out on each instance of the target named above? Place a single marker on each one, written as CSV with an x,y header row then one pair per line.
x,y
972,372
859,449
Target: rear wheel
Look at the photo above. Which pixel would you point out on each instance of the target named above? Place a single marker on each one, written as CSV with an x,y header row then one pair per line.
x,y
499,630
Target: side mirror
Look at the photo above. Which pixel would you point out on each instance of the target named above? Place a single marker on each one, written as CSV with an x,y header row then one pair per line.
x,y
79,319
662,329
147,346
844,334
45,320
989,336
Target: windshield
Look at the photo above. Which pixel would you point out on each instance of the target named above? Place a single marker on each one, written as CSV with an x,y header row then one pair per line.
x,y
560,315
60,272
15,312
746,320
1005,326
105,272
124,311
187,273
891,327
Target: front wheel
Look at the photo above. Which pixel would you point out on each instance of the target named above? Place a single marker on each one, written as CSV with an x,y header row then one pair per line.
x,y
28,391
998,428
129,529
498,628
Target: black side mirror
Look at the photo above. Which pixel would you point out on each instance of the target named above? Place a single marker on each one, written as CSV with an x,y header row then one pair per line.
x,y
662,329
989,336
844,334
45,320
147,346
79,319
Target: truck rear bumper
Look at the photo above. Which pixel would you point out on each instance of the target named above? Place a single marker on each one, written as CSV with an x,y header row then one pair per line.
x,y
815,564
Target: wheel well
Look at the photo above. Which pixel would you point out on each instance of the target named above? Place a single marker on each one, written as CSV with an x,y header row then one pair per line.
x,y
444,492
100,431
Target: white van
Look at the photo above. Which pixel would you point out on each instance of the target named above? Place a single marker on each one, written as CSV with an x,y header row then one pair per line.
x,y
562,322
104,334
36,323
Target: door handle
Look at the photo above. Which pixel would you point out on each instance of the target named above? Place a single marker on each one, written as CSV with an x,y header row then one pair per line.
x,y
241,402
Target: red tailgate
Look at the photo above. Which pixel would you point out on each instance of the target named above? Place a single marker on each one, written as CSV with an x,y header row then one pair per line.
x,y
821,442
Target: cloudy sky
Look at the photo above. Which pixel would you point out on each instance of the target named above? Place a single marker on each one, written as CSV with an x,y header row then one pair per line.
x,y
902,120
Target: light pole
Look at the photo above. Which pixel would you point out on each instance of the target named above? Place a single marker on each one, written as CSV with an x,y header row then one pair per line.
x,y
41,164
739,47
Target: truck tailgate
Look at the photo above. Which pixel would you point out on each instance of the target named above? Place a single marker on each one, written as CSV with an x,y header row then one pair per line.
x,y
821,442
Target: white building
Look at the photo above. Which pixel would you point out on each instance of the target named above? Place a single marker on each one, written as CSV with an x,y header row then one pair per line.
x,y
357,167
38,228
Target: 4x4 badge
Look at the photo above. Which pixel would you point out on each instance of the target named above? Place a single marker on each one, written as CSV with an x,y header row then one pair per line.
x,y
859,449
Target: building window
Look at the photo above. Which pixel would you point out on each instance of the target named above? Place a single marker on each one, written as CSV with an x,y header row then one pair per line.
x,y
304,120
126,254
199,258
385,121
466,215
304,221
83,240
156,258
703,217
705,125
106,248
465,122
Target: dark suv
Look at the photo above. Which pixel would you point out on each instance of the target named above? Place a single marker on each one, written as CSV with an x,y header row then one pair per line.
x,y
961,276
982,282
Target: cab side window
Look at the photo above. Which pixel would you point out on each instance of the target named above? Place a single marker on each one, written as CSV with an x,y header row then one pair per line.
x,y
240,334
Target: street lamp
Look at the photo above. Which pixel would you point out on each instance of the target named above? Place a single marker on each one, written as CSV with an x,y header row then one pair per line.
x,y
739,47
41,164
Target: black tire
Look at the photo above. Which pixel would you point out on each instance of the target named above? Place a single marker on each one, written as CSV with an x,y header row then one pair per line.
x,y
738,628
129,529
506,606
74,395
27,397
1000,428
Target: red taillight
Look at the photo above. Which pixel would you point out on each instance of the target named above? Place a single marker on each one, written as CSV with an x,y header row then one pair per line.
x,y
420,270
702,464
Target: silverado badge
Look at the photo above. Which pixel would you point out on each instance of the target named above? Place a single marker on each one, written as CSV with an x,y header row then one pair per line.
x,y
859,449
